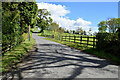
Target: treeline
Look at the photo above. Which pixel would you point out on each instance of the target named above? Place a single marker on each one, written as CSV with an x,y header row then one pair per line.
x,y
16,17
109,36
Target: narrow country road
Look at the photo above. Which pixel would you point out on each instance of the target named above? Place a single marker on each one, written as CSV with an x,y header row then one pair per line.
x,y
54,60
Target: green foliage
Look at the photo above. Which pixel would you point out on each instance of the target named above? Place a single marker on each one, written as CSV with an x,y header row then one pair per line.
x,y
80,31
10,24
43,21
53,26
67,31
108,42
90,31
84,32
16,16
28,15
102,26
111,24
61,30
104,55
73,31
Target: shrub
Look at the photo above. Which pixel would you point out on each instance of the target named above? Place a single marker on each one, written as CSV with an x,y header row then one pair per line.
x,y
108,42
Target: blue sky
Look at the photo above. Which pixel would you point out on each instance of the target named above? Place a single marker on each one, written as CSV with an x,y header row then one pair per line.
x,y
93,12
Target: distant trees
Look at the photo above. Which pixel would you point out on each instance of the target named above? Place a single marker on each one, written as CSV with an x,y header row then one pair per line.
x,y
67,31
80,31
73,31
90,31
53,26
84,33
61,30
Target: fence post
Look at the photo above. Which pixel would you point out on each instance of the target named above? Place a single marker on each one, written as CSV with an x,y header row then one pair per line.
x,y
74,38
69,38
65,37
87,40
93,42
59,37
80,39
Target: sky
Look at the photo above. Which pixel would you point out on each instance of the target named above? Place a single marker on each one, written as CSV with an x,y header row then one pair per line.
x,y
71,15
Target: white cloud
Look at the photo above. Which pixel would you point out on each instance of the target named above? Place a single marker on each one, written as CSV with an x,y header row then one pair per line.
x,y
55,10
58,14
81,22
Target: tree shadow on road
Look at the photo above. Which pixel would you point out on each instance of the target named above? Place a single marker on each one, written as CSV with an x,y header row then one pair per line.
x,y
57,54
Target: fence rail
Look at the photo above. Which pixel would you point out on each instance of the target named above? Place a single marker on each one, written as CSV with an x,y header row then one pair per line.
x,y
89,41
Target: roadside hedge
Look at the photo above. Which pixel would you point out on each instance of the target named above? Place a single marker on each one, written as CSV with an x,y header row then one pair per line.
x,y
109,43
16,17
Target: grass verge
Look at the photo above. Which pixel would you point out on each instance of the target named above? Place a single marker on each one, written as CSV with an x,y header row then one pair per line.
x,y
14,56
93,51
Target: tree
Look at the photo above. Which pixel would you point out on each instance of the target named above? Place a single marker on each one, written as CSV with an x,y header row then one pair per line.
x,y
111,23
118,27
90,31
54,26
67,31
84,32
73,31
61,30
102,26
15,20
95,33
80,31
10,23
43,21
28,12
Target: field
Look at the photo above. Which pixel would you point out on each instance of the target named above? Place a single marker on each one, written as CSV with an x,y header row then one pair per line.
x,y
85,40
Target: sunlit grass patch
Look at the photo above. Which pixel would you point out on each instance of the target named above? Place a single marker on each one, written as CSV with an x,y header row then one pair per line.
x,y
14,55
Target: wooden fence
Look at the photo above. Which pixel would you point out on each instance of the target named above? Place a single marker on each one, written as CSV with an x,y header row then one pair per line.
x,y
86,40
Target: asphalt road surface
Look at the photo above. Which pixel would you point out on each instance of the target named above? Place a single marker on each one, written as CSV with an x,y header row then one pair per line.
x,y
54,60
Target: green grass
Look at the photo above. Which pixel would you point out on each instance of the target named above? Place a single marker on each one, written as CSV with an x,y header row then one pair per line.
x,y
104,55
15,54
70,44
46,32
